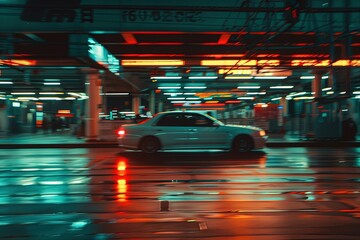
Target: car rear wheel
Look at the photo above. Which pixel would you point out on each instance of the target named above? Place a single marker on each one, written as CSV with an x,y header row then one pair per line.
x,y
150,145
243,143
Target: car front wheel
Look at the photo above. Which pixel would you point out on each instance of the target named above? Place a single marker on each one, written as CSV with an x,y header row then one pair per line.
x,y
150,145
243,143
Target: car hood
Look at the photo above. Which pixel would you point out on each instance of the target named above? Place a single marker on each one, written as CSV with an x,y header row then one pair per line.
x,y
243,127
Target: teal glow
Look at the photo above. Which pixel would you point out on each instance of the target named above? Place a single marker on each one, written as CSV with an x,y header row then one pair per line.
x,y
101,55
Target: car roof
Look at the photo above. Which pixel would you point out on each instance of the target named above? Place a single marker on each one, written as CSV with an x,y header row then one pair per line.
x,y
179,111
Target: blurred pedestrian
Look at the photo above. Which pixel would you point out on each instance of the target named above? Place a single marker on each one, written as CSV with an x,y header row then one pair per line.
x,y
349,129
45,125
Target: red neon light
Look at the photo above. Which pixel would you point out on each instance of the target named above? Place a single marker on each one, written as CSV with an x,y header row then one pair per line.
x,y
13,62
232,101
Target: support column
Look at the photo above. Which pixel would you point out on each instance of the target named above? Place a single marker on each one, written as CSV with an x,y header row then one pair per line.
x,y
93,106
160,106
136,101
316,83
152,102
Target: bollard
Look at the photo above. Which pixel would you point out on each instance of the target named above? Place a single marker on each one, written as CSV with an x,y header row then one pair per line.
x,y
164,205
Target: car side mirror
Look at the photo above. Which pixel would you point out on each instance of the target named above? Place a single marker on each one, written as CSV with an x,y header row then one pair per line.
x,y
215,124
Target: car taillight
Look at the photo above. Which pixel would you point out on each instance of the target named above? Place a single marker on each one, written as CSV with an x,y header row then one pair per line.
x,y
121,132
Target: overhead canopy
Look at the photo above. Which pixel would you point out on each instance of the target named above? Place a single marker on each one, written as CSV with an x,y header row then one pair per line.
x,y
58,40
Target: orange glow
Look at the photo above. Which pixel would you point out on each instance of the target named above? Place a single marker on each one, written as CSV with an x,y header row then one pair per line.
x,y
310,63
342,63
18,62
232,101
63,111
211,102
121,182
152,62
268,55
268,62
39,123
122,189
310,55
247,71
244,62
218,94
121,167
355,63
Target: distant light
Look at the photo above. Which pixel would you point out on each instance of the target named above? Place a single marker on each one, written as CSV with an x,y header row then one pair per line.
x,y
51,79
114,94
195,87
281,87
307,77
297,94
204,77
7,82
16,104
248,87
238,77
165,77
169,87
49,98
27,98
326,89
176,98
174,94
51,183
245,98
22,93
275,99
303,98
255,93
51,93
51,83
271,77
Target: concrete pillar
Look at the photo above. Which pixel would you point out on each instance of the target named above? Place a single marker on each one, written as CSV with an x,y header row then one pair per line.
x,y
93,105
160,106
316,83
136,102
152,102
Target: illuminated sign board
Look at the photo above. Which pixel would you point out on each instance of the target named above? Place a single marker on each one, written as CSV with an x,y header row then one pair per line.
x,y
101,55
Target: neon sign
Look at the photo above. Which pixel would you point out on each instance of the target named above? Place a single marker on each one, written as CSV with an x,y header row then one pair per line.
x,y
101,55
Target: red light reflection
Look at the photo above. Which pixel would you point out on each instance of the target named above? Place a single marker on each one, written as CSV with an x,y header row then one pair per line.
x,y
121,182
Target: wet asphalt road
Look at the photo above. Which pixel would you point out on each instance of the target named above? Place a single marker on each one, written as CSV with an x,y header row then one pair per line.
x,y
278,193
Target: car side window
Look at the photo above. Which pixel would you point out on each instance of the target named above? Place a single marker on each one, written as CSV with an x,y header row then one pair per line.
x,y
197,120
171,120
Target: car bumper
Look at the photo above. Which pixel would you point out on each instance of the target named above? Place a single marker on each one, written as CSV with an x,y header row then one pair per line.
x,y
260,142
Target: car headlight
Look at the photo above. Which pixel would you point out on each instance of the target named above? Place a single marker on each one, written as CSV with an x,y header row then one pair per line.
x,y
262,133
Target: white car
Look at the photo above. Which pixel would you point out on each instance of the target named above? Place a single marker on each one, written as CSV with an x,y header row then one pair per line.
x,y
186,130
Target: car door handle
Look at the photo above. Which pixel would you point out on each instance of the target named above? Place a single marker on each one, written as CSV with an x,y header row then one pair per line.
x,y
192,130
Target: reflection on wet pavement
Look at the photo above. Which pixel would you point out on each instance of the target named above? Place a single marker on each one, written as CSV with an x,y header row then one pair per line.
x,y
108,194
